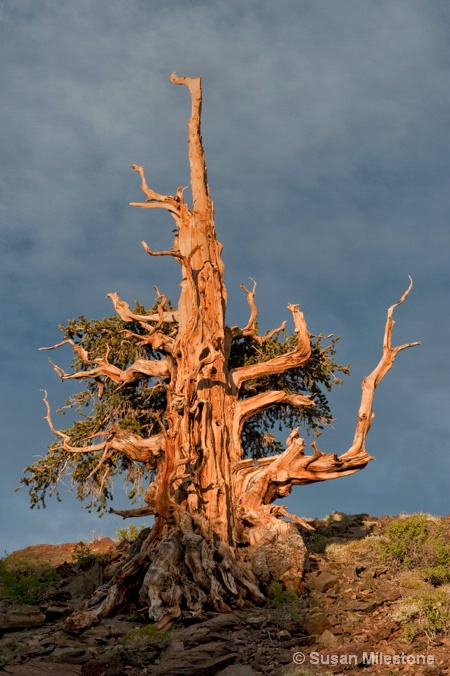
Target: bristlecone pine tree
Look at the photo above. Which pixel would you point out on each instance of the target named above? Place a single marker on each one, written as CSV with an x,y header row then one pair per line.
x,y
178,399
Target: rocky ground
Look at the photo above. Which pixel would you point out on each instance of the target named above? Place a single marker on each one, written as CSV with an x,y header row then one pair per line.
x,y
355,610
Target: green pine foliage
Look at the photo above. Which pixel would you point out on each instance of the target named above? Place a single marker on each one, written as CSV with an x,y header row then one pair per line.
x,y
315,378
140,406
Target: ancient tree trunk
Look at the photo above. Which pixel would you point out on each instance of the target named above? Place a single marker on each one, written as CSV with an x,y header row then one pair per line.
x,y
217,535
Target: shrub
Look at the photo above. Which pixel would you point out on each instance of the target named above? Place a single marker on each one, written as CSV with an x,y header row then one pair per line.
x,y
130,534
286,600
404,540
418,541
434,615
427,614
24,579
85,557
149,634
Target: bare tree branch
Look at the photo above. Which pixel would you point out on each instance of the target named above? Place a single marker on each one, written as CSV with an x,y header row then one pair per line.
x,y
251,329
199,184
131,513
128,443
369,384
282,363
141,367
274,477
154,199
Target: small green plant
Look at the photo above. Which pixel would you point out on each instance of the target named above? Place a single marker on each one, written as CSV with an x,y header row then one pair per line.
x,y
149,634
406,610
427,614
404,540
130,534
434,615
317,543
281,596
23,579
84,556
8,650
286,600
410,633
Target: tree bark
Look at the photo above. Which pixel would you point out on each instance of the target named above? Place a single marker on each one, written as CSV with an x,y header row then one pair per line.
x,y
217,535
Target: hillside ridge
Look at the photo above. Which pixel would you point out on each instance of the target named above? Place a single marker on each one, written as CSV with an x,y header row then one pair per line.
x,y
376,596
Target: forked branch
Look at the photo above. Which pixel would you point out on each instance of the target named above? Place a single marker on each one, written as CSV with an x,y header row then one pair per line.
x,y
128,443
140,367
284,362
124,311
154,199
274,477
251,330
369,384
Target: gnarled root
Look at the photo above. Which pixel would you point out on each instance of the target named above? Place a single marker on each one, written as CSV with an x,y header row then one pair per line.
x,y
183,574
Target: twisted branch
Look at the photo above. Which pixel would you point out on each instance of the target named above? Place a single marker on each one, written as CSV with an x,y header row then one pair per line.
x,y
284,362
251,330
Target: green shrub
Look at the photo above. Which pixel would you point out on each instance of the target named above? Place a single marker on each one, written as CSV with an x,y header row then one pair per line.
x,y
436,575
85,557
24,579
418,541
149,634
410,633
404,540
434,615
130,534
280,596
427,614
286,600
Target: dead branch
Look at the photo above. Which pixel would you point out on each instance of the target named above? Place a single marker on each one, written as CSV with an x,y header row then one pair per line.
x,y
124,311
369,384
132,445
274,477
154,199
76,347
251,329
131,513
293,359
245,408
199,184
141,367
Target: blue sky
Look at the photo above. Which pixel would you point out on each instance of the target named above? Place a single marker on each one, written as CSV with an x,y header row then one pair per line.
x,y
326,129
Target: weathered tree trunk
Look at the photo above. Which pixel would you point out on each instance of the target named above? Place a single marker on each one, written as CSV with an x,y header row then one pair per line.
x,y
217,535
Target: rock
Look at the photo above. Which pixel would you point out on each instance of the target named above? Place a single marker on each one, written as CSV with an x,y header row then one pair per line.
x,y
117,628
56,612
222,621
362,606
284,635
87,581
327,639
202,660
193,634
21,615
35,668
316,623
237,670
383,632
321,581
70,655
